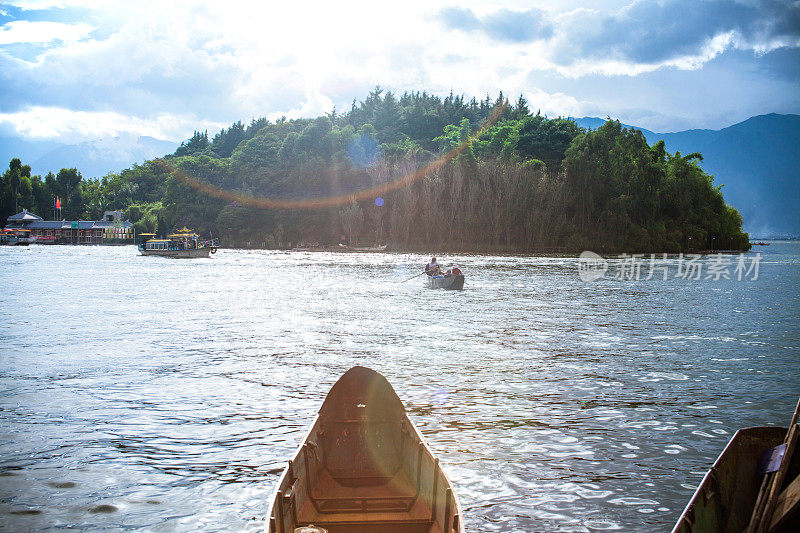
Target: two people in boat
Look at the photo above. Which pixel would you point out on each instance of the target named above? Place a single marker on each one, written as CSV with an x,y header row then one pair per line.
x,y
433,269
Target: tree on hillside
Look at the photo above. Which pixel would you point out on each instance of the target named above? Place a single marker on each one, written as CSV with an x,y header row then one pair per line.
x,y
520,109
68,181
546,140
226,141
12,179
197,143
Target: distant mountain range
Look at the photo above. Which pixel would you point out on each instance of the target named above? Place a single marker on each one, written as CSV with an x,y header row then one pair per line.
x,y
93,159
757,161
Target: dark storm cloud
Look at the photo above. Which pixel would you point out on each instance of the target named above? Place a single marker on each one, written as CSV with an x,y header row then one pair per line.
x,y
503,25
648,31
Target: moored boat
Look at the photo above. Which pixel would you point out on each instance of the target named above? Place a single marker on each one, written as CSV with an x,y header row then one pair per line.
x,y
15,237
7,238
445,281
182,244
369,249
361,249
363,467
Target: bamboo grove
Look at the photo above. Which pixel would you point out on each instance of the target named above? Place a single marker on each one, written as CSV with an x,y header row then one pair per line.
x,y
485,176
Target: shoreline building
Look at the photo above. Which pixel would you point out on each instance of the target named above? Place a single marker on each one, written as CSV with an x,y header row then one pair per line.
x,y
111,230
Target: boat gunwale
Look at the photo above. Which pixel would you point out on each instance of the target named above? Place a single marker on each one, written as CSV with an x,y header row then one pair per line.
x,y
454,280
697,494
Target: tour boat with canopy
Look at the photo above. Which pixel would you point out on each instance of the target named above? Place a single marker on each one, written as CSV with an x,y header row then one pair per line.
x,y
182,244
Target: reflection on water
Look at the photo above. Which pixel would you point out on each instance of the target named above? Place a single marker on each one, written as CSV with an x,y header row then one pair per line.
x,y
168,394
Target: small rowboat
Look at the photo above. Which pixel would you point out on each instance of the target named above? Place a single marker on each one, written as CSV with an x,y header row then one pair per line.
x,y
363,467
726,497
447,281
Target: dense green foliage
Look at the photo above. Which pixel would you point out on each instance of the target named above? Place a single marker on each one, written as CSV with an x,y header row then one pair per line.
x,y
19,190
512,181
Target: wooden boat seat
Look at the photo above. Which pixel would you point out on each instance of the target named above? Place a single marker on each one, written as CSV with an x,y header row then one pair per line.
x,y
392,508
396,494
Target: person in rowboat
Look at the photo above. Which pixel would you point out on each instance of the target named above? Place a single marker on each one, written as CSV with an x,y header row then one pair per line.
x,y
454,270
432,268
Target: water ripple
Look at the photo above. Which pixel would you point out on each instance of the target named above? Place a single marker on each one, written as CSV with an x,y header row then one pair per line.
x,y
167,395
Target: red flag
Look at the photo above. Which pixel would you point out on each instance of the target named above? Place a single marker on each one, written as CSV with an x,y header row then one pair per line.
x,y
58,202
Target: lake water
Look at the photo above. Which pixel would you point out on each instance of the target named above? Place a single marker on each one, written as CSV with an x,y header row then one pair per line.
x,y
142,392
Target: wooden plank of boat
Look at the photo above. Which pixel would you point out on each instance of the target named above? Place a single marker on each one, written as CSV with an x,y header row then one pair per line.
x,y
726,496
363,467
446,282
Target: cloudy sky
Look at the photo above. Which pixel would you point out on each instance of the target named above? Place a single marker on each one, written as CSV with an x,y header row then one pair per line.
x,y
76,70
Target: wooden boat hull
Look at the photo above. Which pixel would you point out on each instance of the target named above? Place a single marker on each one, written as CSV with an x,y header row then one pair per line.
x,y
360,249
453,283
363,467
178,254
725,499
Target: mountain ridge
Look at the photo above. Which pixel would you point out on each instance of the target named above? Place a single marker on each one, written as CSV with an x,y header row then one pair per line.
x,y
94,159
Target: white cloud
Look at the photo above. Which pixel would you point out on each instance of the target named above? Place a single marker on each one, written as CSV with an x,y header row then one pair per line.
x,y
35,4
74,126
556,104
314,104
222,62
24,31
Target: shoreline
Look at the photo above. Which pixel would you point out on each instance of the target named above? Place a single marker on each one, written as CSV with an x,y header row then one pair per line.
x,y
550,252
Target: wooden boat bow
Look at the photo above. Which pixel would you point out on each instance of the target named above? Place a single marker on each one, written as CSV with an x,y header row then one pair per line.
x,y
364,467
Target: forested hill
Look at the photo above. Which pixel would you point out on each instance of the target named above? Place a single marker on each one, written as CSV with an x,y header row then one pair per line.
x,y
417,172
758,162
